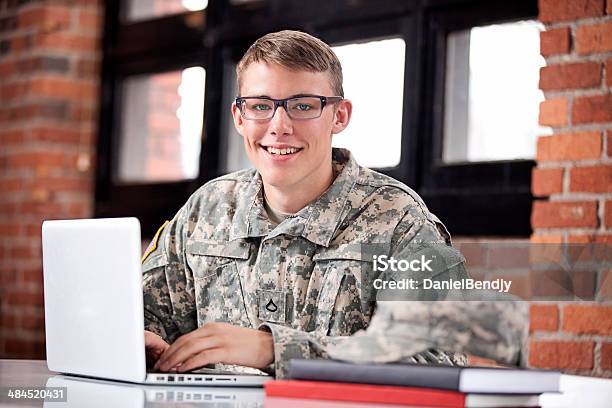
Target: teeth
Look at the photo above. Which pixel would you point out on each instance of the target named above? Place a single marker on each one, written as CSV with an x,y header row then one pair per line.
x,y
274,150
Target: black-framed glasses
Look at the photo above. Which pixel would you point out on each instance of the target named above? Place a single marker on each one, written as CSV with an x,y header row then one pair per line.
x,y
297,107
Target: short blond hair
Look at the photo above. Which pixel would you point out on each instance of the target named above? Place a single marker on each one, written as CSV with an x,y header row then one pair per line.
x,y
297,51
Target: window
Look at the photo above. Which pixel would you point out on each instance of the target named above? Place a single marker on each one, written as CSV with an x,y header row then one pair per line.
x,y
468,176
152,129
374,81
147,9
161,128
491,93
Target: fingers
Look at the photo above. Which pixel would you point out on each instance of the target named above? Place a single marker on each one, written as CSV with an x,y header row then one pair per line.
x,y
203,358
179,352
154,344
153,340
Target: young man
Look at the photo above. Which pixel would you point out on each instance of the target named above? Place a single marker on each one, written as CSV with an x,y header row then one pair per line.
x,y
260,266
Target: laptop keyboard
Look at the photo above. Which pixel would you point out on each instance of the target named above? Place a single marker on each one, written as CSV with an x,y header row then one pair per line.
x,y
191,379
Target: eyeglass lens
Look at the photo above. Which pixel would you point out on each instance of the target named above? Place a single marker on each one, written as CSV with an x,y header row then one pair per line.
x,y
297,108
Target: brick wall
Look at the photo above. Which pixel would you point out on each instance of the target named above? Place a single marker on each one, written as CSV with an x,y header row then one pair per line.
x,y
49,75
573,177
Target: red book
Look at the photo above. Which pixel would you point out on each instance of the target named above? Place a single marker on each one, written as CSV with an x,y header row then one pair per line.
x,y
383,394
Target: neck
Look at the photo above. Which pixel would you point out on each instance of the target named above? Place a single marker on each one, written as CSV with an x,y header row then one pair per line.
x,y
291,199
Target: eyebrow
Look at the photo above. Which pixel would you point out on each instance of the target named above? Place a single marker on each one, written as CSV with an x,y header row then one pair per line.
x,y
269,97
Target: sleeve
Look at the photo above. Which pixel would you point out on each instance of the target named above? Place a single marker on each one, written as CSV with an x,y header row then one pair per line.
x,y
168,292
414,234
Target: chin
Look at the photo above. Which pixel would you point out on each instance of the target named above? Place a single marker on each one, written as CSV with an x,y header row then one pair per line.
x,y
276,180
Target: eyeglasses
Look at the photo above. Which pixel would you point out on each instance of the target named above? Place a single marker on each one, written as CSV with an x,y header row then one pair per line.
x,y
297,107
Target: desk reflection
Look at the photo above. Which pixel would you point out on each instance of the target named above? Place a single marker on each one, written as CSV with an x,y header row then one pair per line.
x,y
83,392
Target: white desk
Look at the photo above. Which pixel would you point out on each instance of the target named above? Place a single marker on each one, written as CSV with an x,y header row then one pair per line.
x,y
578,392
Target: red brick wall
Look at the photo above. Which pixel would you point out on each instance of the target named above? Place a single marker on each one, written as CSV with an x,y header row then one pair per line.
x,y
49,75
573,177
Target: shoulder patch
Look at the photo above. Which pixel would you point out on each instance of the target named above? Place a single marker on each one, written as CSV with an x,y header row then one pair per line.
x,y
153,245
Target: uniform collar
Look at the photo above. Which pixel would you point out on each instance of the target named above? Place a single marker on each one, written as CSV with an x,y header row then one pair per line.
x,y
316,222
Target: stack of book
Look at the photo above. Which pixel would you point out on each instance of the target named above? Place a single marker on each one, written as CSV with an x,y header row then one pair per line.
x,y
413,384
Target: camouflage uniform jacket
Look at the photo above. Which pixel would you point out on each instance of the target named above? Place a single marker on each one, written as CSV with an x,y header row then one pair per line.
x,y
221,259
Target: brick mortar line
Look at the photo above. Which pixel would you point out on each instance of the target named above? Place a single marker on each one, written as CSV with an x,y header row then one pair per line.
x,y
572,39
34,101
61,197
29,174
27,145
25,173
82,126
70,74
566,179
580,22
32,52
38,101
570,109
71,174
579,92
601,213
566,336
571,164
560,317
45,122
569,231
564,59
28,127
590,91
49,75
43,52
597,357
43,147
579,196
580,127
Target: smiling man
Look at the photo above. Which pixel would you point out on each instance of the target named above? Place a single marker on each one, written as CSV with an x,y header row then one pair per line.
x,y
260,266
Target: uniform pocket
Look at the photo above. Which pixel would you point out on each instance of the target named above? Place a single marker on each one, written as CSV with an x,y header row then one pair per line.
x,y
218,289
205,256
341,307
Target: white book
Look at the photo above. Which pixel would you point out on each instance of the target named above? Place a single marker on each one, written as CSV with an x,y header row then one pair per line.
x,y
496,401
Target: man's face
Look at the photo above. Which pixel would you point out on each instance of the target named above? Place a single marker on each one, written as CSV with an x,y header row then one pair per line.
x,y
311,137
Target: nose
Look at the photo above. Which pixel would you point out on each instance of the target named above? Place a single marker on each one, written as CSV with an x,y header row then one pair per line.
x,y
281,123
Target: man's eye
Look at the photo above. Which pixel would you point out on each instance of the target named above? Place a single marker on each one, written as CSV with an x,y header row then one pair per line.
x,y
260,107
302,107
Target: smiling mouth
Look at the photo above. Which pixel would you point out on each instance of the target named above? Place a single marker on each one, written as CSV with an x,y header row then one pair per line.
x,y
281,151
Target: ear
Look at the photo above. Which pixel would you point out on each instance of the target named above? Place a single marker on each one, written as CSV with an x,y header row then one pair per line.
x,y
238,119
342,116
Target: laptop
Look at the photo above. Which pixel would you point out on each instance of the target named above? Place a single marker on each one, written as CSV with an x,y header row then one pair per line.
x,y
94,305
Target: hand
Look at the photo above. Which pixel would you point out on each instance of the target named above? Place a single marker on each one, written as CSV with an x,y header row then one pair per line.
x,y
154,347
218,343
475,361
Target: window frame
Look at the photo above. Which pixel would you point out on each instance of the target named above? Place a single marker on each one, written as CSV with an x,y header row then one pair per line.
x,y
223,34
140,48
487,198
